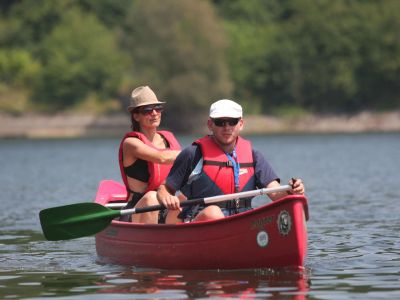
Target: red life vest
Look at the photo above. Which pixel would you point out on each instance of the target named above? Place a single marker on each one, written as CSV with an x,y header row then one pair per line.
x,y
158,172
219,169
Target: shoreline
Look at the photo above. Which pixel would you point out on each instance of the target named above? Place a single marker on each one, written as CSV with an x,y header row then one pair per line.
x,y
33,126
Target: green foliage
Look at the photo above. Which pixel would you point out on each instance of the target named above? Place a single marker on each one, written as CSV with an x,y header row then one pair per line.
x,y
30,21
80,56
322,55
17,67
272,56
179,53
290,112
111,13
249,25
18,70
379,47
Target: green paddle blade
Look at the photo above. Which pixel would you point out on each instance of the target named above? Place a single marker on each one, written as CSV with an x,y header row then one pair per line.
x,y
75,220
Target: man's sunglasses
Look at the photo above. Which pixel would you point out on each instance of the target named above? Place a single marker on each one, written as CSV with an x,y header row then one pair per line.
x,y
223,122
148,109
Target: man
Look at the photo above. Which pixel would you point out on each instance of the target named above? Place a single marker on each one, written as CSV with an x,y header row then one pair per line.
x,y
221,163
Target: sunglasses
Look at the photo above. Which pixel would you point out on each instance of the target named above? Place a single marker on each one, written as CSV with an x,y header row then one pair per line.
x,y
146,110
224,122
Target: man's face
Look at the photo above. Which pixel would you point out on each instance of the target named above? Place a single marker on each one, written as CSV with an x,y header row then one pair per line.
x,y
225,130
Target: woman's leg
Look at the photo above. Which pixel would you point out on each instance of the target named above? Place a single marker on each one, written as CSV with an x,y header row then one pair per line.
x,y
150,198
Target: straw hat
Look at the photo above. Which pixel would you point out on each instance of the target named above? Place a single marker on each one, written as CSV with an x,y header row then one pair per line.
x,y
143,95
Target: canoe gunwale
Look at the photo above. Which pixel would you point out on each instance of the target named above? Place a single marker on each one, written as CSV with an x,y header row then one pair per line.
x,y
269,205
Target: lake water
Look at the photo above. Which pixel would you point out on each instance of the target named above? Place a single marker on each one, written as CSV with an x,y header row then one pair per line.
x,y
353,188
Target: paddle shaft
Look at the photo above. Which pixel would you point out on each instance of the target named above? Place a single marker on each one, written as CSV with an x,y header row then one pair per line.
x,y
209,200
83,219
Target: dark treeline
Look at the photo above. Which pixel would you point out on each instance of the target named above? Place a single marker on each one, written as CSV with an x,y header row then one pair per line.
x,y
273,56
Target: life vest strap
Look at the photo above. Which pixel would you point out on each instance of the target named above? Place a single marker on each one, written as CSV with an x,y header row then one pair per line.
x,y
226,163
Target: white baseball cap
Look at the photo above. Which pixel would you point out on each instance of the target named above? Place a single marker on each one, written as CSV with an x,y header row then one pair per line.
x,y
225,108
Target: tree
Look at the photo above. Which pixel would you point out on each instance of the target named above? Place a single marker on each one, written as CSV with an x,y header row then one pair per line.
x,y
251,31
80,57
326,56
17,67
178,49
29,21
109,12
379,48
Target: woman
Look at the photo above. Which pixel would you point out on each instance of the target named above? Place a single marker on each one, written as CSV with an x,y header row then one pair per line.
x,y
145,154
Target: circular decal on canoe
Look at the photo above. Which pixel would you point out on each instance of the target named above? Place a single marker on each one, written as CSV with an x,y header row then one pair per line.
x,y
284,222
262,239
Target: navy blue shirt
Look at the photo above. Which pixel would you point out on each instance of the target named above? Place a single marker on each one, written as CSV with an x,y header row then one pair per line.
x,y
187,160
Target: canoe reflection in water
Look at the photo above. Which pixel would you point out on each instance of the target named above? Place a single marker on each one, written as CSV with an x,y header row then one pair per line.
x,y
289,283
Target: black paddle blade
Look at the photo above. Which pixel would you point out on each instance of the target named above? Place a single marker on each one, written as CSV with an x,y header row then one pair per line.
x,y
75,220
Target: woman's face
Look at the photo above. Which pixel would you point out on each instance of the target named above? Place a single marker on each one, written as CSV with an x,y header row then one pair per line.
x,y
149,116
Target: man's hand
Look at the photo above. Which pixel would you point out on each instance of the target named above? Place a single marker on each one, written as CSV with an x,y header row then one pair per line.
x,y
165,198
297,186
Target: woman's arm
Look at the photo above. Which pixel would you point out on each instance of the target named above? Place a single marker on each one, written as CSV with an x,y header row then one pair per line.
x,y
134,148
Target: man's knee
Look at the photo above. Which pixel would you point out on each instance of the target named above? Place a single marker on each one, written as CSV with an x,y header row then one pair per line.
x,y
212,212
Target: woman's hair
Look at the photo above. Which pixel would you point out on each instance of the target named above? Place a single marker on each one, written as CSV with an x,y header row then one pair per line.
x,y
135,126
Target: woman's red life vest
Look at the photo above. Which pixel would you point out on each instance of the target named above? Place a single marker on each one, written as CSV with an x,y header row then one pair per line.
x,y
158,172
219,169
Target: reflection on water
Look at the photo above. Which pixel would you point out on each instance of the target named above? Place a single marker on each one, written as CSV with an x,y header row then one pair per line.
x,y
352,185
226,284
68,268
45,284
156,284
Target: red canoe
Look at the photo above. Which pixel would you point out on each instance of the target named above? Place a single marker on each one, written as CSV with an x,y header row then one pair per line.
x,y
271,236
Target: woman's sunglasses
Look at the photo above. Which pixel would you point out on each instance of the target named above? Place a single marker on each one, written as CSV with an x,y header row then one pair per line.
x,y
146,110
223,122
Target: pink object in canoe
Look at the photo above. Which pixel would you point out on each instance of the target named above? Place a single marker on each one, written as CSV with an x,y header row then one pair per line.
x,y
270,236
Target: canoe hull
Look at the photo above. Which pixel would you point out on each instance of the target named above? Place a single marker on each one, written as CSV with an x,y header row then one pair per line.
x,y
270,236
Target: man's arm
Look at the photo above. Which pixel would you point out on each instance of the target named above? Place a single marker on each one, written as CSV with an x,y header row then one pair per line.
x,y
176,179
266,177
297,188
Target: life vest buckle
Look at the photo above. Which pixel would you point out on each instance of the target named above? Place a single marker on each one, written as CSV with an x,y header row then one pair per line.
x,y
229,164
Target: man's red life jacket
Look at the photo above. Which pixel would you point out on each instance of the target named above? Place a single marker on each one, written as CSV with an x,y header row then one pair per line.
x,y
158,172
219,169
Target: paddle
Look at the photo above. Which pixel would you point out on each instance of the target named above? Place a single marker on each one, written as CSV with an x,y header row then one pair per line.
x,y
84,219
